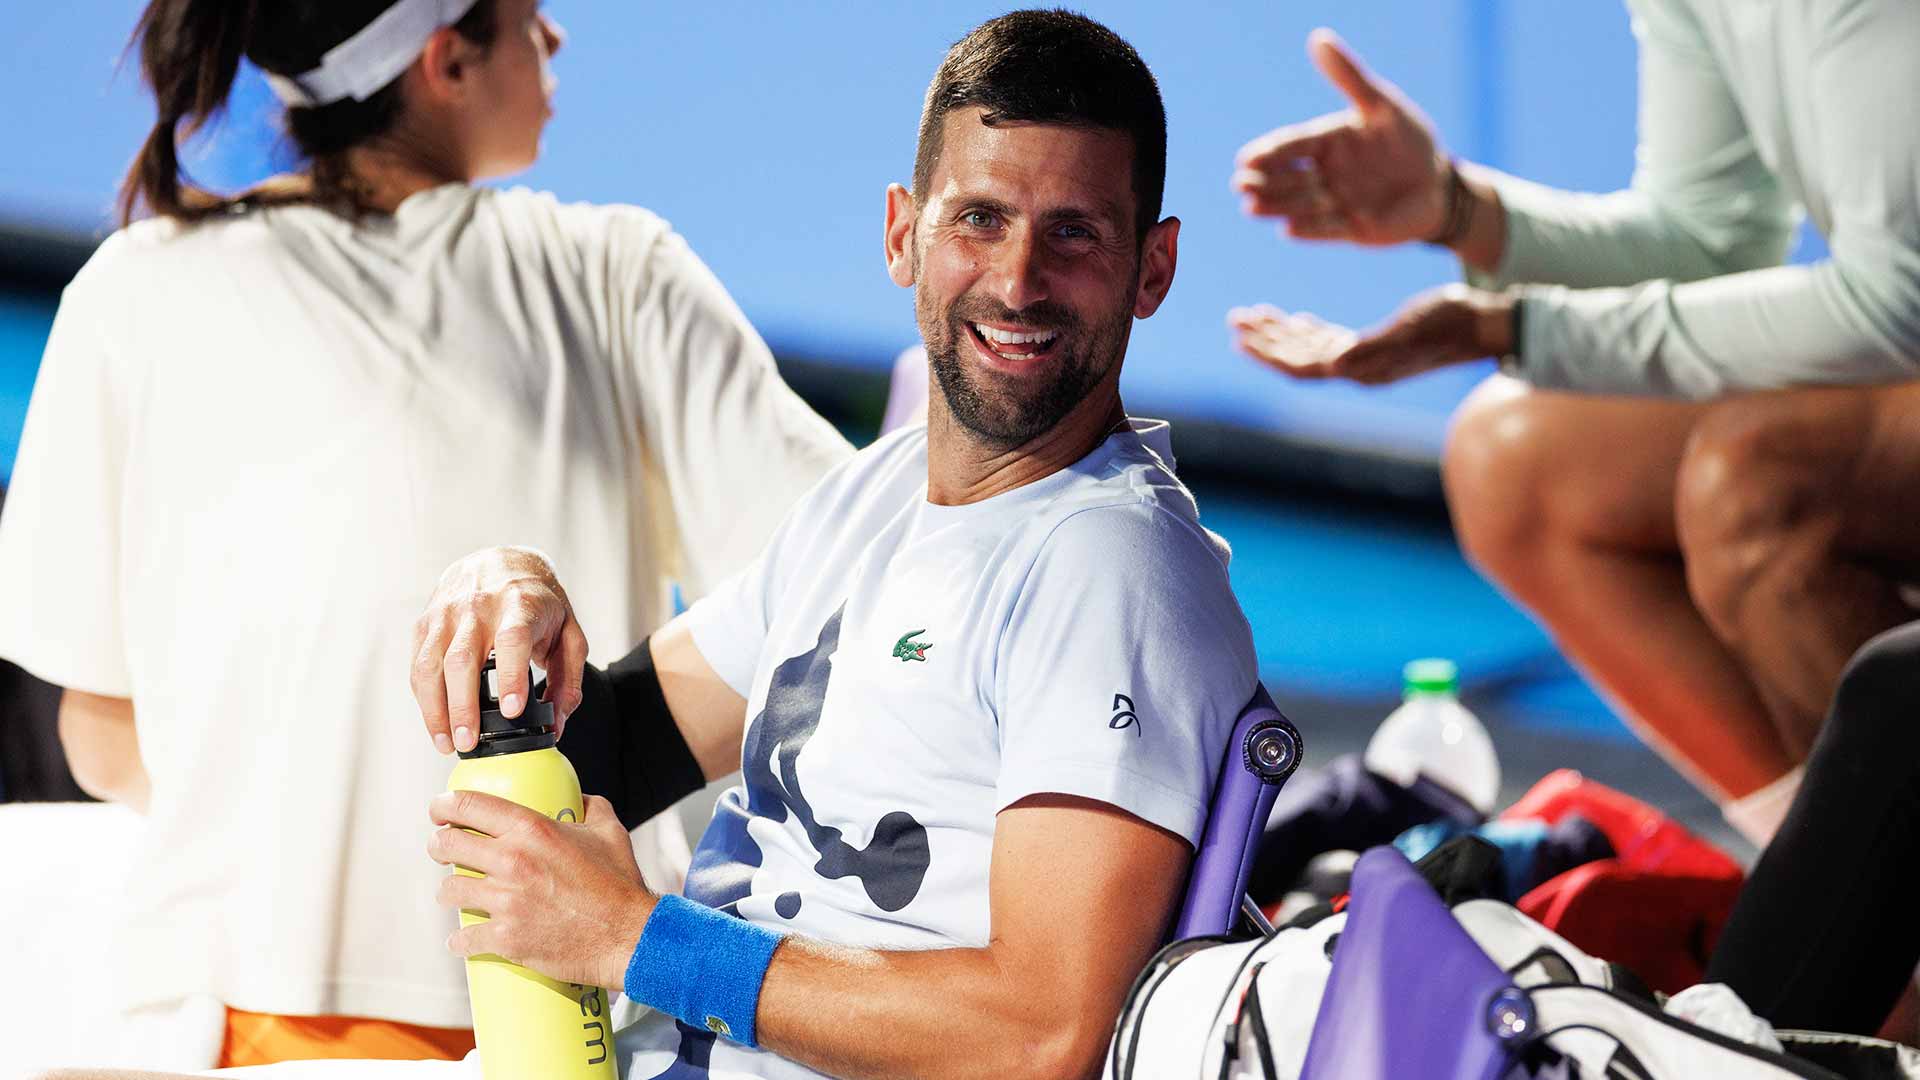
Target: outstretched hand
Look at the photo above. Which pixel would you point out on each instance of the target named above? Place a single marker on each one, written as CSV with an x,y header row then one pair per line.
x,y
1439,327
507,600
563,898
1370,174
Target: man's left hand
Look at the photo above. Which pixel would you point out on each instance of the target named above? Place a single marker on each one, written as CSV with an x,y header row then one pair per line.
x,y
1447,325
562,898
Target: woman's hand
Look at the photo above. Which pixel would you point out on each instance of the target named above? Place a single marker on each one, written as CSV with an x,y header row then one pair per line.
x,y
507,600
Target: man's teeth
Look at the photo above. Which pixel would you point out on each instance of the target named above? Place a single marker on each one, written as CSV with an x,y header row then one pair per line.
x,y
1008,337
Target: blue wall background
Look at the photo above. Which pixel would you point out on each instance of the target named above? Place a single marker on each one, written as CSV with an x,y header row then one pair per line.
x,y
767,133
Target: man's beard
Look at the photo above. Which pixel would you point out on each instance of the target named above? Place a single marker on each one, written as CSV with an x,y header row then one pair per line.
x,y
1004,412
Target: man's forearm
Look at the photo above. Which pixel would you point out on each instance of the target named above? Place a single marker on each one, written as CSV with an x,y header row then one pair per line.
x,y
862,1013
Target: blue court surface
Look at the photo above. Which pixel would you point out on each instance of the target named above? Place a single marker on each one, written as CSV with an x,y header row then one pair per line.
x,y
1340,592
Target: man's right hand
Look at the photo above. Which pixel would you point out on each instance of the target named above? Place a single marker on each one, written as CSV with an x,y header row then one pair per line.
x,y
1371,174
507,600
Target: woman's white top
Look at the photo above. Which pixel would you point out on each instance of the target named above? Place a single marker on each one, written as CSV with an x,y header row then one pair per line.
x,y
252,448
1748,113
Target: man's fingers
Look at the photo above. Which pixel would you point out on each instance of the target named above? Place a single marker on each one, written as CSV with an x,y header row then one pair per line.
x,y
566,663
1345,71
489,814
475,894
513,647
460,672
480,939
601,817
428,681
451,845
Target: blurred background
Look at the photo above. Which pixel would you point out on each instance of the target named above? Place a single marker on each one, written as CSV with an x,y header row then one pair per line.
x,y
767,134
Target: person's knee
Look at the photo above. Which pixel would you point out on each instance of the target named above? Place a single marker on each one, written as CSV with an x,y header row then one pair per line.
x,y
1494,468
1751,499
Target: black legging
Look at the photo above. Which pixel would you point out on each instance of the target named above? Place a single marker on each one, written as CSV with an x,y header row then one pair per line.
x,y
1827,931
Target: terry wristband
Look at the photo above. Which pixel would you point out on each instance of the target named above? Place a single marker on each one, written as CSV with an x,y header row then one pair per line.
x,y
702,966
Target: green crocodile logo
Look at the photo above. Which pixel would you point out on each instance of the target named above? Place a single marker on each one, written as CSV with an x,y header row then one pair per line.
x,y
906,650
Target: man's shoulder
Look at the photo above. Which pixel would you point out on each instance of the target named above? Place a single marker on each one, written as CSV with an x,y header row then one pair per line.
x,y
877,477
1130,506
1150,533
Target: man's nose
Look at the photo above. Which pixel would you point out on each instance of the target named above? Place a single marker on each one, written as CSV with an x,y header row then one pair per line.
x,y
1020,270
556,35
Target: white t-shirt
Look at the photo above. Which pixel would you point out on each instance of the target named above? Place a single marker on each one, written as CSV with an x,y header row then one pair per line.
x,y
253,446
911,670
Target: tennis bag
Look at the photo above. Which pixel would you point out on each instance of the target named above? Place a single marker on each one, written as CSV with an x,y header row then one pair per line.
x,y
1420,990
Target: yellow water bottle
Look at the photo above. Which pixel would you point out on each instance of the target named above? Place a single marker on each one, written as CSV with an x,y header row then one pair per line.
x,y
527,1026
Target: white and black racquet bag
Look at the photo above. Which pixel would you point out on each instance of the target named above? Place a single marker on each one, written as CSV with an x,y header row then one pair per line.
x,y
1220,1009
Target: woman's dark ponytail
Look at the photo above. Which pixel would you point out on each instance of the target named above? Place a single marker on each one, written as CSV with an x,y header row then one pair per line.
x,y
190,51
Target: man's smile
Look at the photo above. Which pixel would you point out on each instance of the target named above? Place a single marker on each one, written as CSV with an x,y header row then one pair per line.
x,y
1012,348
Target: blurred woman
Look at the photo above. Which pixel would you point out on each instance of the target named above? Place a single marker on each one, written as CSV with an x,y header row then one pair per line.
x,y
262,421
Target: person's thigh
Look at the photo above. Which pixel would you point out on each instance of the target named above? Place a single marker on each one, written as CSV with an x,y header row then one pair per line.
x,y
1592,469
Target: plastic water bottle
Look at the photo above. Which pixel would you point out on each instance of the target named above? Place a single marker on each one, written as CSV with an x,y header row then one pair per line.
x,y
1431,734
526,1024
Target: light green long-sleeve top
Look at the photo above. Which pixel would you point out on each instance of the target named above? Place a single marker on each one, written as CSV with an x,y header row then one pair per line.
x,y
1749,110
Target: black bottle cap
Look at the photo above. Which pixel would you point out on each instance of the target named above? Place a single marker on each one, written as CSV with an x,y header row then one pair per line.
x,y
531,730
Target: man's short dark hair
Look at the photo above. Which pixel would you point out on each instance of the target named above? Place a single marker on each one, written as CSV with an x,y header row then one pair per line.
x,y
1052,67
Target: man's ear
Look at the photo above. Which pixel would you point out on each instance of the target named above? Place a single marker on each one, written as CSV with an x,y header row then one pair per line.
x,y
446,64
899,236
1157,258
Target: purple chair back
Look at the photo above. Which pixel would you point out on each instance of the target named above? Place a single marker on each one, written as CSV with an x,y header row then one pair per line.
x,y
1411,996
1265,749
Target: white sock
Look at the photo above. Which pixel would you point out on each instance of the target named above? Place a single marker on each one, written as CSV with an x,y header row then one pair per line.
x,y
1757,815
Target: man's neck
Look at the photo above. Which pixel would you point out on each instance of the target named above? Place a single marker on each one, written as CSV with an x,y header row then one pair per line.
x,y
961,469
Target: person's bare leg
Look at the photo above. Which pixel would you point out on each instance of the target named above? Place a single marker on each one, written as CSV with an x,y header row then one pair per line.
x,y
1566,501
1799,514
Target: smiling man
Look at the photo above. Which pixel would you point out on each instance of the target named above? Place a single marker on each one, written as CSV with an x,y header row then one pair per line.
x,y
978,686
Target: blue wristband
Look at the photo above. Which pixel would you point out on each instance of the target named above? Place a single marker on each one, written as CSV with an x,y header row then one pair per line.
x,y
701,966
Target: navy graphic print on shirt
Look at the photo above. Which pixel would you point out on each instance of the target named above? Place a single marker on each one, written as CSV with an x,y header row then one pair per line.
x,y
892,865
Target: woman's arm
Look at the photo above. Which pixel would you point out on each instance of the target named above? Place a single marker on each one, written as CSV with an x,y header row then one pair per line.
x,y
102,748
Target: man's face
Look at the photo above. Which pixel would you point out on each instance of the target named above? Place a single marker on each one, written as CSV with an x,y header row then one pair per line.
x,y
1027,270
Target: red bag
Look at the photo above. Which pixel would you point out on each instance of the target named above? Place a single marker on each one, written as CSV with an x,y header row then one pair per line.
x,y
1656,908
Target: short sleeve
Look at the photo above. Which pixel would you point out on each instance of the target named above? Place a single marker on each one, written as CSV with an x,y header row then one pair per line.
x,y
61,529
1123,666
729,624
732,445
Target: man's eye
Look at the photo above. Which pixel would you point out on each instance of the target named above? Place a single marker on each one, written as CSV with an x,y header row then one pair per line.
x,y
979,219
1075,232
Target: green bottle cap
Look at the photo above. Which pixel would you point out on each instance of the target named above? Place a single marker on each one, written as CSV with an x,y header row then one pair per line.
x,y
1430,676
